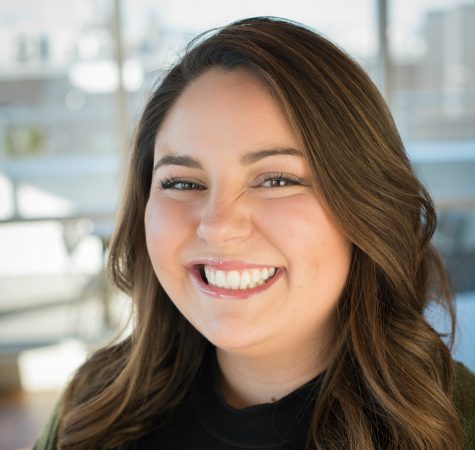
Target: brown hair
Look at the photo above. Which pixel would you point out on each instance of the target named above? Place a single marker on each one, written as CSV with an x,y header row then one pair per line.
x,y
389,383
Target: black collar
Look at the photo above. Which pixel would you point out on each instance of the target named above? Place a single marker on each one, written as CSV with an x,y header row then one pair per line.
x,y
260,426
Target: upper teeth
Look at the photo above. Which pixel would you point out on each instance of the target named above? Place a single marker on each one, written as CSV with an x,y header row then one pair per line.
x,y
238,279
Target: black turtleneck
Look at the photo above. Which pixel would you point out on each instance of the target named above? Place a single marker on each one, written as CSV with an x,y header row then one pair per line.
x,y
207,422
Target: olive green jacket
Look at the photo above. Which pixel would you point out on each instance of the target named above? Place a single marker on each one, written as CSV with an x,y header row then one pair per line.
x,y
464,399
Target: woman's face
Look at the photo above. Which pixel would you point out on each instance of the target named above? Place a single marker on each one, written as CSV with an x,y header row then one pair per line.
x,y
231,204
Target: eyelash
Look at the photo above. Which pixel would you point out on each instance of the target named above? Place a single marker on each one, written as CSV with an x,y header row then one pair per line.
x,y
172,182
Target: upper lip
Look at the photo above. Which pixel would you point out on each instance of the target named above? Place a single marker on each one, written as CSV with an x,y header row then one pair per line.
x,y
227,264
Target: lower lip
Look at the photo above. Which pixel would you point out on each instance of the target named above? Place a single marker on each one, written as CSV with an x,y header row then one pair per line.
x,y
218,292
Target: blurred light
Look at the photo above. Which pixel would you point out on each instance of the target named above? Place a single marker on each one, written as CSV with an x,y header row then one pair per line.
x,y
50,368
34,202
6,196
32,249
87,257
103,76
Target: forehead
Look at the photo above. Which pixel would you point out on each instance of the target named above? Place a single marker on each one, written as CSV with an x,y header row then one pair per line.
x,y
225,110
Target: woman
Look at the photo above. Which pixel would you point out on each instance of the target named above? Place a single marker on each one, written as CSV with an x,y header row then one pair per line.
x,y
275,243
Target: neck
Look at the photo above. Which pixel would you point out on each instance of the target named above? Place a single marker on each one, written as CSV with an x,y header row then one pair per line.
x,y
251,380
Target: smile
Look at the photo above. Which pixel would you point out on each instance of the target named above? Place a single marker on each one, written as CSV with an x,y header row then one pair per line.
x,y
237,279
234,283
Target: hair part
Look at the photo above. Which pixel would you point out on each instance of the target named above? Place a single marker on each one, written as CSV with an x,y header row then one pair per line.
x,y
389,365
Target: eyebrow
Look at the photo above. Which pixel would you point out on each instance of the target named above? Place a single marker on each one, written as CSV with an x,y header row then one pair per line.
x,y
245,160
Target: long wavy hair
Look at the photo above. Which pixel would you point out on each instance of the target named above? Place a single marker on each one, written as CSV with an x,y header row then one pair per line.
x,y
389,382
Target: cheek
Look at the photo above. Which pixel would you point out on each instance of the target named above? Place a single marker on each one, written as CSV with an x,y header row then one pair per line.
x,y
167,224
307,235
296,220
161,215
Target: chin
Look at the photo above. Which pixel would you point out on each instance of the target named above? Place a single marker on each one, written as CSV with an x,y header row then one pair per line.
x,y
231,337
226,339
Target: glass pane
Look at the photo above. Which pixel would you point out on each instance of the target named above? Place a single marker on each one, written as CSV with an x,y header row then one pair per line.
x,y
57,79
433,79
433,100
59,159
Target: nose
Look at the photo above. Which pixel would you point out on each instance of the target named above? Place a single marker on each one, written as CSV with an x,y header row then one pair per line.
x,y
224,220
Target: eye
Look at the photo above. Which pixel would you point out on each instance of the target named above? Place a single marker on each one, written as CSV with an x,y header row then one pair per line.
x,y
180,184
279,180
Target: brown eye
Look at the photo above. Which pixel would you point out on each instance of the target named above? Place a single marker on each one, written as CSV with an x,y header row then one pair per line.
x,y
180,185
280,180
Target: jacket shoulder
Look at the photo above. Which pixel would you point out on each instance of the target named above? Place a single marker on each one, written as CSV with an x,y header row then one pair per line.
x,y
48,438
464,399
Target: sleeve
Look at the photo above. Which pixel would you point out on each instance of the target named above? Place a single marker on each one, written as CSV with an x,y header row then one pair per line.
x,y
49,437
464,399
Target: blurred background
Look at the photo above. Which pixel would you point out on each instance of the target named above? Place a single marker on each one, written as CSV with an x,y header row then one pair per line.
x,y
74,76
